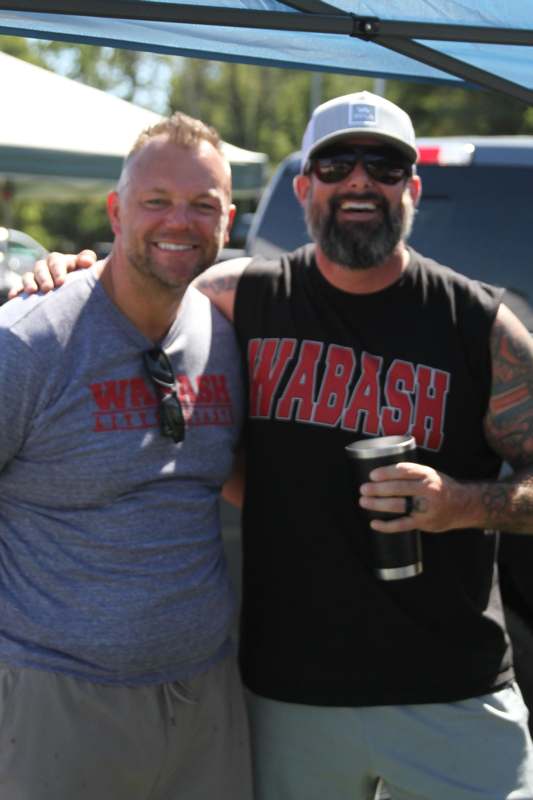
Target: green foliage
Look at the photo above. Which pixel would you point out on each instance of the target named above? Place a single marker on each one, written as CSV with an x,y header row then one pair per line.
x,y
446,110
258,108
63,226
265,108
21,48
124,72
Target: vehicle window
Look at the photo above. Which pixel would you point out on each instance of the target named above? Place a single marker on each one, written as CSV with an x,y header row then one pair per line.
x,y
18,253
275,233
479,220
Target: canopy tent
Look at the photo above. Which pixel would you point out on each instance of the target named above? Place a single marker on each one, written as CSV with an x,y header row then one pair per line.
x,y
480,42
60,138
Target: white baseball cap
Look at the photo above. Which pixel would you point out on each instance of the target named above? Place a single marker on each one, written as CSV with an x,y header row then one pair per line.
x,y
359,113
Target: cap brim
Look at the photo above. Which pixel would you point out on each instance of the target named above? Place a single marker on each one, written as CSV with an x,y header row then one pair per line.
x,y
399,144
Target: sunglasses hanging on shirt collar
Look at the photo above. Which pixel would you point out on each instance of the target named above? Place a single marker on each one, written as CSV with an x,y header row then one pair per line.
x,y
158,366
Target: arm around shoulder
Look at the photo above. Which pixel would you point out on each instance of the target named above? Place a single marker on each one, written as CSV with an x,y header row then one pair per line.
x,y
220,282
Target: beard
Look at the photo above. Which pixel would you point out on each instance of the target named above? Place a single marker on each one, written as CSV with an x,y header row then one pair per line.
x,y
141,261
359,245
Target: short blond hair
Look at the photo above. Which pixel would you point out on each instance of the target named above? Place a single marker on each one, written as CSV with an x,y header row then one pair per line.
x,y
181,130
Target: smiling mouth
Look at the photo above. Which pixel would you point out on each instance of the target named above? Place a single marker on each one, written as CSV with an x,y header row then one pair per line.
x,y
174,247
352,206
357,204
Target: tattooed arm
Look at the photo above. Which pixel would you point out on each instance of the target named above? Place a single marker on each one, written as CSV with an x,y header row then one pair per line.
x,y
441,503
509,425
220,282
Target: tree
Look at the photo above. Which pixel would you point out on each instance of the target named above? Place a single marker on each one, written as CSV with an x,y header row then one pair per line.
x,y
18,47
266,108
259,108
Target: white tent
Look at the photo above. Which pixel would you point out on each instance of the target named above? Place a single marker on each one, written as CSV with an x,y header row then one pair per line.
x,y
59,137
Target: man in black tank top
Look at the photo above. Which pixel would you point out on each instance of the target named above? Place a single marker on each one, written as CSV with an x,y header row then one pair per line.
x,y
352,678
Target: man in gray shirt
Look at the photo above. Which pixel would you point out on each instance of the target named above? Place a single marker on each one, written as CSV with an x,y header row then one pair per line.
x,y
121,406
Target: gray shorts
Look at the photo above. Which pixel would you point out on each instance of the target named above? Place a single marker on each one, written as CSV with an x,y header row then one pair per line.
x,y
476,749
66,739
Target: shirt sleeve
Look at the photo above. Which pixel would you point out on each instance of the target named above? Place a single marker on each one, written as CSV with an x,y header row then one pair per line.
x,y
20,382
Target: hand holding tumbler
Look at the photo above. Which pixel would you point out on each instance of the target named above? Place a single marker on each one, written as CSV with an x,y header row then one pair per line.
x,y
396,555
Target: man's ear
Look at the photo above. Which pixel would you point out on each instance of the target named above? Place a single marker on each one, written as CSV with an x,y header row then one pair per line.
x,y
415,188
301,185
231,219
113,211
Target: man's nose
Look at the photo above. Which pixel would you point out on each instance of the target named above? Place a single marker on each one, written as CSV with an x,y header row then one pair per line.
x,y
178,215
358,176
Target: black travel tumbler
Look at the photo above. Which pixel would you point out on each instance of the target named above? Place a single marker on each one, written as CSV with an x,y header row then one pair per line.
x,y
396,555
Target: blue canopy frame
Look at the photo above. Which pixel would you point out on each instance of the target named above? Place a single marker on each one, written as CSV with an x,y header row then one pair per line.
x,y
474,42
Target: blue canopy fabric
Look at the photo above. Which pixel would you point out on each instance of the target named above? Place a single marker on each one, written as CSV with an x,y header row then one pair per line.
x,y
484,43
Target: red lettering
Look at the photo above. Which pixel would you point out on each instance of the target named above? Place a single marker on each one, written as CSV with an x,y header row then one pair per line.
x,y
340,365
141,396
299,391
220,388
399,384
432,390
213,389
205,394
267,359
104,423
186,392
365,398
110,394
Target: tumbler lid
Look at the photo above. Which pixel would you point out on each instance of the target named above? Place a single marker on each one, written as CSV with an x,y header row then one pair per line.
x,y
381,446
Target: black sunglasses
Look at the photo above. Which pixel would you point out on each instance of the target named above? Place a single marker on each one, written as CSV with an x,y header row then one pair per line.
x,y
159,368
383,164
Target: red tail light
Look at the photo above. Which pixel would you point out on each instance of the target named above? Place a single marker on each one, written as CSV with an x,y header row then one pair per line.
x,y
446,154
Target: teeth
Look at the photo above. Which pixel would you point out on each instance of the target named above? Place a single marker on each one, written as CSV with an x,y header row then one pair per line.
x,y
173,246
353,206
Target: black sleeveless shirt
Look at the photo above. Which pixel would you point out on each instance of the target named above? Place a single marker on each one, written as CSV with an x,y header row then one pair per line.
x,y
326,367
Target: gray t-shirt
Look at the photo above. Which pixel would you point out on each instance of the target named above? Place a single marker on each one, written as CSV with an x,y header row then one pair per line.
x,y
111,559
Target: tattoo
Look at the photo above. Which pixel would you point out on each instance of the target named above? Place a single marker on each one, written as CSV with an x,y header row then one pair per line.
x,y
509,422
225,283
420,504
496,500
508,504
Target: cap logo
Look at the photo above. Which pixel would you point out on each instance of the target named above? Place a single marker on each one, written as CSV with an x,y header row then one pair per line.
x,y
362,116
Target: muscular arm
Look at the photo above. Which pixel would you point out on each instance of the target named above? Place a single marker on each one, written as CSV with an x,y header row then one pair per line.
x,y
442,503
220,282
509,424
